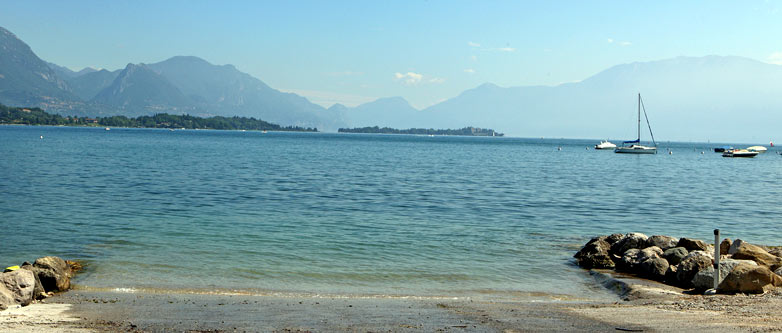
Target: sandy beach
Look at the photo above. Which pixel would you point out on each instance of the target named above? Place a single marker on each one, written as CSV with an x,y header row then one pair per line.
x,y
642,306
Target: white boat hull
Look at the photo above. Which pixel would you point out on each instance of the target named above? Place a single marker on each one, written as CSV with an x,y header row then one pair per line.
x,y
636,150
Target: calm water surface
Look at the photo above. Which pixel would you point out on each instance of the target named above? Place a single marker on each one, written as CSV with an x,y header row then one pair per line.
x,y
344,213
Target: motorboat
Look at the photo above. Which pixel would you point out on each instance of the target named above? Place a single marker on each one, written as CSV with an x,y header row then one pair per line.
x,y
722,149
759,149
605,145
739,153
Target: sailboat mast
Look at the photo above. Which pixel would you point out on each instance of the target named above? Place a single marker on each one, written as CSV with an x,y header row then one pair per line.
x,y
639,118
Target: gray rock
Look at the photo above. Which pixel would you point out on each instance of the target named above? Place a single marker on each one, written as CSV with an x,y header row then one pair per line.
x,y
54,273
663,242
751,279
20,283
38,290
691,265
725,246
6,297
632,240
654,268
704,279
613,238
595,254
778,271
776,251
629,260
670,275
675,255
735,246
693,244
650,252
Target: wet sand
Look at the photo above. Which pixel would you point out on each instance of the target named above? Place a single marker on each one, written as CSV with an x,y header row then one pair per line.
x,y
639,306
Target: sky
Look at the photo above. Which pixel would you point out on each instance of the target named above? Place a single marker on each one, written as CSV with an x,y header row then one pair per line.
x,y
353,52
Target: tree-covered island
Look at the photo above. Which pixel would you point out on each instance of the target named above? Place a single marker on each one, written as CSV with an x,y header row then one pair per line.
x,y
36,116
467,131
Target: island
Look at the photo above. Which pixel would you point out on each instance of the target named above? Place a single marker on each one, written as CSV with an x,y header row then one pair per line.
x,y
467,131
36,116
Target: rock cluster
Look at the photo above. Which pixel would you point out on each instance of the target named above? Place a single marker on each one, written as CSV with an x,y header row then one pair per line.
x,y
685,262
30,282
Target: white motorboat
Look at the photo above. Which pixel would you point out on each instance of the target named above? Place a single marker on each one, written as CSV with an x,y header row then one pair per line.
x,y
739,153
605,145
759,149
636,147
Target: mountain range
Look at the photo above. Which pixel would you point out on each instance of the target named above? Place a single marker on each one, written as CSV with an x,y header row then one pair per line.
x,y
686,98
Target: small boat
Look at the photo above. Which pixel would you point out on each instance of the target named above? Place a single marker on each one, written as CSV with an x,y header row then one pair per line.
x,y
739,153
635,147
108,129
722,149
605,145
759,149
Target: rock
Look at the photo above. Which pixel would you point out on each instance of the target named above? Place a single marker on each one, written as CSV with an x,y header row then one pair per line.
x,y
691,265
54,273
595,254
6,297
693,244
704,279
735,246
777,251
670,275
38,286
632,240
613,238
778,271
745,278
629,260
650,252
758,255
663,242
675,255
20,283
654,268
725,246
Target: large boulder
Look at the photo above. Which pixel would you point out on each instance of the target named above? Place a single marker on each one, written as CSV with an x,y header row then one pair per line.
x,y
725,246
749,279
663,242
675,255
735,246
54,273
595,254
704,279
633,240
38,290
691,265
632,258
693,244
777,251
654,268
20,283
758,255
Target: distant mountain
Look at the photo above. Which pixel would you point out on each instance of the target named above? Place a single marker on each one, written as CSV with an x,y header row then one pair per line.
x,y
27,80
393,112
224,90
88,85
138,90
66,73
687,98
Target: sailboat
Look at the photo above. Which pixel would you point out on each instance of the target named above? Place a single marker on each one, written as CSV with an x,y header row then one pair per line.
x,y
635,146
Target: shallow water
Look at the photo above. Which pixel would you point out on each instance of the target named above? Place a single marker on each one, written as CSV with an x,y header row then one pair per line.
x,y
345,213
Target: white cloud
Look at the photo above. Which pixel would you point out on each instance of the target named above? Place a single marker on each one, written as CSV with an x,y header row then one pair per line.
x,y
610,40
775,58
473,44
506,49
469,70
436,80
409,78
625,43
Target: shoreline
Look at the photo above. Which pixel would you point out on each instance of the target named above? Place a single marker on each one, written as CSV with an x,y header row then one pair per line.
x,y
642,305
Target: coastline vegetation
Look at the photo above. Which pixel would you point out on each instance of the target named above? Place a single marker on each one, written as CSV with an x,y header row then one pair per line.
x,y
466,131
36,116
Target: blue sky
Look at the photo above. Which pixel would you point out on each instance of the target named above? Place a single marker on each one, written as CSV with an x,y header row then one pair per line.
x,y
425,51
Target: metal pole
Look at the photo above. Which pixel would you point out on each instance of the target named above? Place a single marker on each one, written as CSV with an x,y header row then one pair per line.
x,y
716,258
